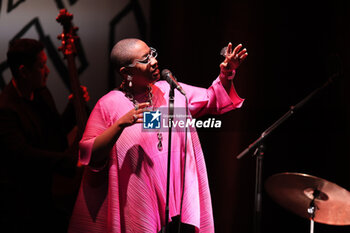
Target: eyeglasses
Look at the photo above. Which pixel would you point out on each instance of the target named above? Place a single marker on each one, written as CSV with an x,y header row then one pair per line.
x,y
152,54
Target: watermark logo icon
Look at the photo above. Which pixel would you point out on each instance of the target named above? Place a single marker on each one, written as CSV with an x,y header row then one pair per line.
x,y
152,120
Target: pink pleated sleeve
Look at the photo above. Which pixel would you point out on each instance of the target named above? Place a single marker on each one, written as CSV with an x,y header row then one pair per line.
x,y
85,146
214,100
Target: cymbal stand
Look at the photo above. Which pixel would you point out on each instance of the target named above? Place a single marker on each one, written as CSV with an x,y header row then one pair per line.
x,y
312,210
259,154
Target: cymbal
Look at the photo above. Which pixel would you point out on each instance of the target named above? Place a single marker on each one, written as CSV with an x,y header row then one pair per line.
x,y
295,192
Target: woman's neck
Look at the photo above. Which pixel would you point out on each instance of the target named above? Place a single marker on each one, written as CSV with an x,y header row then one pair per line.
x,y
140,90
141,95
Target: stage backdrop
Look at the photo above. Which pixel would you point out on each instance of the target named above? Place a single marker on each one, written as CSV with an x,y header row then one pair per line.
x,y
101,23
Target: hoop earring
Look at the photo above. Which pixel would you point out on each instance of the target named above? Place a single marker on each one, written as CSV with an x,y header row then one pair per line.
x,y
129,79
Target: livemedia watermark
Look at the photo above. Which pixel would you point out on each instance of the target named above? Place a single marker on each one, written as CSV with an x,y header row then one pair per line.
x,y
161,120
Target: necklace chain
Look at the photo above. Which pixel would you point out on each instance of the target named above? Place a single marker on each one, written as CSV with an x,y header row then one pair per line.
x,y
130,96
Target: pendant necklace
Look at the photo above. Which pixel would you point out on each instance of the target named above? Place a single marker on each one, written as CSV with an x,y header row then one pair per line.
x,y
130,96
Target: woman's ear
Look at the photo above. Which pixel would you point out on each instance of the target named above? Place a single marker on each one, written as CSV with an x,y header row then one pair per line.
x,y
123,71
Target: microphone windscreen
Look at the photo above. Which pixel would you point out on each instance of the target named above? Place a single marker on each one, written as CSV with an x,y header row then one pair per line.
x,y
165,73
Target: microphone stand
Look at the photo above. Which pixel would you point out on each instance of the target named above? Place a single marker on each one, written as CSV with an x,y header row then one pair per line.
x,y
258,144
171,117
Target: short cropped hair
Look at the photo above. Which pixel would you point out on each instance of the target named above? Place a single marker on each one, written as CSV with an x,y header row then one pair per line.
x,y
22,52
121,55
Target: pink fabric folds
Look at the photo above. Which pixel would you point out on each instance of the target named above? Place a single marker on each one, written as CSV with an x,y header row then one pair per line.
x,y
128,194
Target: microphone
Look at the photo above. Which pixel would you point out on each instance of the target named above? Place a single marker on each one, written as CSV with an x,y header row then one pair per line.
x,y
168,76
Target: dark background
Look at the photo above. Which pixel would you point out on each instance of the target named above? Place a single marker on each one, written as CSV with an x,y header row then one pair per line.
x,y
294,47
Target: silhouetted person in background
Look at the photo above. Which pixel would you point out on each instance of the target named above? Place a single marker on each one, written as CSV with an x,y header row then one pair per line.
x,y
33,144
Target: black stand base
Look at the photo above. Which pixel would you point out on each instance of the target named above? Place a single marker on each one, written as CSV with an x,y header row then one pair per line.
x,y
173,226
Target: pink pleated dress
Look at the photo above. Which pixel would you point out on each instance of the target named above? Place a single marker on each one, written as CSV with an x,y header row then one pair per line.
x,y
129,193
